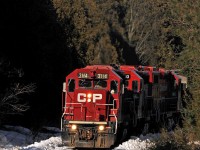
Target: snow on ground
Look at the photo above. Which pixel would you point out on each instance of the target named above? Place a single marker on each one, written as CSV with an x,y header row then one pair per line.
x,y
139,143
19,138
53,143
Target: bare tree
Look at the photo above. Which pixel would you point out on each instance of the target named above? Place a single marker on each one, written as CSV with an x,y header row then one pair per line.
x,y
11,103
12,90
143,25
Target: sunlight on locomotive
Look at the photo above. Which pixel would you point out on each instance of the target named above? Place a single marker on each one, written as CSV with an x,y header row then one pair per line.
x,y
89,96
101,128
74,127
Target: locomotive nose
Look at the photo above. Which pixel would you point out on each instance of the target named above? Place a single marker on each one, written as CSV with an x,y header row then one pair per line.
x,y
93,104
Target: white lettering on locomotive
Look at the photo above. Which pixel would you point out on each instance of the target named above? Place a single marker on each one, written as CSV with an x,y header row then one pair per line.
x,y
82,97
97,97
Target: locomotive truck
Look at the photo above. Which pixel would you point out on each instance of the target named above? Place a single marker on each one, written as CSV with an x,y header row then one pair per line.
x,y
102,103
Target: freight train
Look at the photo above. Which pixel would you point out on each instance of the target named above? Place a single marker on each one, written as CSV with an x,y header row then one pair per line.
x,y
102,103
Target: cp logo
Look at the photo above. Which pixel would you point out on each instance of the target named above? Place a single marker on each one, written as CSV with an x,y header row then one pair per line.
x,y
82,97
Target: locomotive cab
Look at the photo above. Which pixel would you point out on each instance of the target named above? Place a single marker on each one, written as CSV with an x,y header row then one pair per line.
x,y
133,96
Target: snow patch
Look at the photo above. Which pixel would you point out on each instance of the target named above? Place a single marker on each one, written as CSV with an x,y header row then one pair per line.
x,y
139,143
136,144
19,138
53,143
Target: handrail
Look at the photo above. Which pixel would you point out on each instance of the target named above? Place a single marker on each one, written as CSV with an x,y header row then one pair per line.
x,y
104,104
98,104
75,104
70,106
115,123
113,104
107,104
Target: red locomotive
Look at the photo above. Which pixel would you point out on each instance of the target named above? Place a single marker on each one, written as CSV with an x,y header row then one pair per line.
x,y
101,102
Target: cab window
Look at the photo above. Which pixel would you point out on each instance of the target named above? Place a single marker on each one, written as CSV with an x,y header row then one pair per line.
x,y
100,84
135,85
113,86
126,83
71,85
85,83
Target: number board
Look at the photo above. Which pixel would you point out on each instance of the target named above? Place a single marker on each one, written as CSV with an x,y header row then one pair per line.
x,y
101,76
83,75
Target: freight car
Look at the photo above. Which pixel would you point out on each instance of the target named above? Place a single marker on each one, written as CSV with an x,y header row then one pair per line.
x,y
101,103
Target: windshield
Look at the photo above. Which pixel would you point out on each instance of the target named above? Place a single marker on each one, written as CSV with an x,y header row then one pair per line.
x,y
85,83
100,84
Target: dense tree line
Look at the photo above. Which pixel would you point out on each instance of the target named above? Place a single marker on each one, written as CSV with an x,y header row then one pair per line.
x,y
33,41
57,36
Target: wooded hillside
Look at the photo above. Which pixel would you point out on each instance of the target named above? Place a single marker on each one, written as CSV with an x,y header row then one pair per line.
x,y
47,39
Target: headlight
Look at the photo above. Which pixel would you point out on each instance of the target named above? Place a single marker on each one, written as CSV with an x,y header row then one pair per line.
x,y
101,128
74,127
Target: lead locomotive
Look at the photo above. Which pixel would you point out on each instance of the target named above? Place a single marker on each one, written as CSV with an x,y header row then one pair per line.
x,y
102,103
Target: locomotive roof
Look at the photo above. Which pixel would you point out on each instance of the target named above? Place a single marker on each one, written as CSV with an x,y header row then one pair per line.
x,y
95,67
